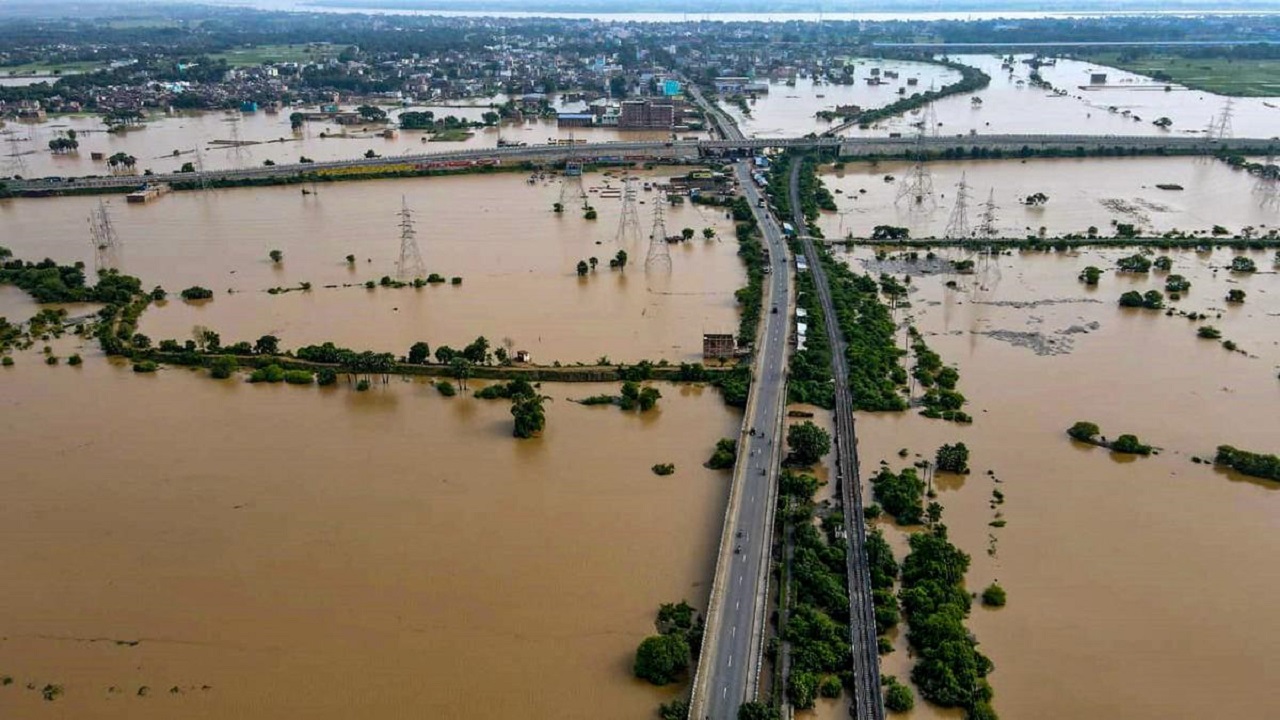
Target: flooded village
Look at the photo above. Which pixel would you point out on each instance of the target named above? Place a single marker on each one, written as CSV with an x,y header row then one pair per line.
x,y
515,424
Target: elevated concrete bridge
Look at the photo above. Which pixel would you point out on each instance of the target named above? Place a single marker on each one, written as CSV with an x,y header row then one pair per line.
x,y
650,151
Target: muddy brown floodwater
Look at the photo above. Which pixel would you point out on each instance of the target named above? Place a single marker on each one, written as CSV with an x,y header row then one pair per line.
x,y
1127,104
282,551
1137,587
497,232
1082,193
789,110
165,143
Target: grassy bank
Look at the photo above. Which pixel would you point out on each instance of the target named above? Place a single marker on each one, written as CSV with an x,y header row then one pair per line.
x,y
1224,76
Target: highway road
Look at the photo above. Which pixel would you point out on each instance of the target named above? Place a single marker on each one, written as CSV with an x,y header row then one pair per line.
x,y
867,701
729,669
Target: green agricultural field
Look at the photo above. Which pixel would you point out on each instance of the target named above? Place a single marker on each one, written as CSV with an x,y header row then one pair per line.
x,y
50,68
1242,78
257,55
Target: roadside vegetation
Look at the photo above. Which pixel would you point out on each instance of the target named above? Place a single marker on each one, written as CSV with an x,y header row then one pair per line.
x,y
949,670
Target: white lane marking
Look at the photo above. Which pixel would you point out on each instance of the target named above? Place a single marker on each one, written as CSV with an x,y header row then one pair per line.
x,y
730,661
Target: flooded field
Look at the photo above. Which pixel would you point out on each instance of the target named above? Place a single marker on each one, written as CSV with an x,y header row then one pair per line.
x,y
1134,583
251,551
517,259
1010,105
1082,193
789,110
165,144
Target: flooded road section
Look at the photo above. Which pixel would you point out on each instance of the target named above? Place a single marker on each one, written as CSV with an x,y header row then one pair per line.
x,y
257,551
1082,193
270,137
789,110
517,259
1011,105
1134,584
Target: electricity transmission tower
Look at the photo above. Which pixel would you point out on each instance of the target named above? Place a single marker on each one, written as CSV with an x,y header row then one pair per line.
x,y
1267,186
17,165
409,266
917,186
988,269
237,147
571,184
958,224
629,221
658,258
1222,126
106,243
929,119
204,181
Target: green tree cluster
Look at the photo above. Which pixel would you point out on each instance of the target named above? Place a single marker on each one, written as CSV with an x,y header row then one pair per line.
x,y
901,495
875,376
1090,275
898,698
725,455
809,380
1084,431
663,658
1249,463
1242,264
195,292
529,415
994,596
636,397
1137,263
1151,299
1130,445
949,670
1176,284
953,459
808,443
505,391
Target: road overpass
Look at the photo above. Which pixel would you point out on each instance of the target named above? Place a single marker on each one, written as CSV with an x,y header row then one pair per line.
x,y
728,672
730,146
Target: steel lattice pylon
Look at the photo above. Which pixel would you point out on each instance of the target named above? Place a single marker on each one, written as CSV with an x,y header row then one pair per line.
x,y
410,265
658,258
917,186
17,165
1267,186
958,224
629,221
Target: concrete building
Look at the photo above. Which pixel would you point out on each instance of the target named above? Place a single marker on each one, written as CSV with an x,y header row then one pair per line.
x,y
647,114
575,120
